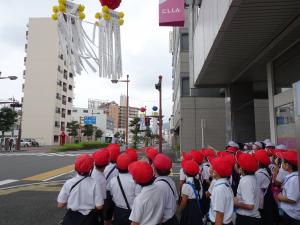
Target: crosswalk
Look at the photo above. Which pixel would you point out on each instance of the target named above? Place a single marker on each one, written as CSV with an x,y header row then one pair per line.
x,y
40,154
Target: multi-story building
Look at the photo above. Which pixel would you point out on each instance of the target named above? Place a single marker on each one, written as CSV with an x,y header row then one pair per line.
x,y
133,113
249,51
49,84
103,122
111,109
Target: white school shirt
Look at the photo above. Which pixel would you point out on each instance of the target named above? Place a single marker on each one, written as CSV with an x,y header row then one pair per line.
x,y
221,201
84,197
291,191
263,181
130,188
170,199
248,193
281,175
205,171
100,179
187,189
148,206
211,187
182,175
113,174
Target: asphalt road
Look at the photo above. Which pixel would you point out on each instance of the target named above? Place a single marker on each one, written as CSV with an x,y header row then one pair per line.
x,y
33,202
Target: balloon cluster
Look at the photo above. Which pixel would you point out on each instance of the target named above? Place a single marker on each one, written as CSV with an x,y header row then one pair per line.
x,y
111,4
61,8
106,15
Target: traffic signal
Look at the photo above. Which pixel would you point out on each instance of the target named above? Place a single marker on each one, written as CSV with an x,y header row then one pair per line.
x,y
147,121
16,105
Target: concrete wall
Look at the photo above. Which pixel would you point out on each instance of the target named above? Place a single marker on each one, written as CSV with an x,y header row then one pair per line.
x,y
210,19
262,119
212,110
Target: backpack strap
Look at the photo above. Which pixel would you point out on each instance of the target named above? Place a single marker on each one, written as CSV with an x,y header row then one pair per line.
x,y
196,194
168,185
76,184
110,172
123,193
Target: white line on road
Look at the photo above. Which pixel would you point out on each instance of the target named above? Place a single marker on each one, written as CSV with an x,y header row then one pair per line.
x,y
31,184
3,182
59,175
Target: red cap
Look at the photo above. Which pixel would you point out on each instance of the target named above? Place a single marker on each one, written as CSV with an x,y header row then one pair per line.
x,y
247,162
221,166
162,162
208,152
227,156
262,157
223,154
232,149
101,157
84,163
123,161
114,152
151,153
141,172
132,153
289,156
197,156
191,168
187,156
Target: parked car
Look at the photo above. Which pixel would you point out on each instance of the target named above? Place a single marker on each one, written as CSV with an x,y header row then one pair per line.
x,y
25,143
33,142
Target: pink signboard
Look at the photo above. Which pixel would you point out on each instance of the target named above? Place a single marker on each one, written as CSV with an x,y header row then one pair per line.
x,y
171,13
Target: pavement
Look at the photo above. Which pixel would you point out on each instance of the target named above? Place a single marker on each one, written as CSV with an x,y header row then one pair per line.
x,y
30,182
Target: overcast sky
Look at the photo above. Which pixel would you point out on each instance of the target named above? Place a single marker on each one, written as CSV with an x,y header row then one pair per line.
x,y
145,48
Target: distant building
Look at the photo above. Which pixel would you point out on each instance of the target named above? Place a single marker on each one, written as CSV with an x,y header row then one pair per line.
x,y
123,100
133,113
49,84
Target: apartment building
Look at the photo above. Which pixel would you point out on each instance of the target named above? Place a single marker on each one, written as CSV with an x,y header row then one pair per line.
x,y
48,84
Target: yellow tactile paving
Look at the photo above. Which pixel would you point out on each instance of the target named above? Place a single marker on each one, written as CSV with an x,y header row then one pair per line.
x,y
38,188
49,174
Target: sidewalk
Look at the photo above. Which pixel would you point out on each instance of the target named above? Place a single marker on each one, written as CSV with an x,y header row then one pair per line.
x,y
41,149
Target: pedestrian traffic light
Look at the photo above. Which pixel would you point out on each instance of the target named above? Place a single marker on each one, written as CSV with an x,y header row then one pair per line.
x,y
16,105
147,121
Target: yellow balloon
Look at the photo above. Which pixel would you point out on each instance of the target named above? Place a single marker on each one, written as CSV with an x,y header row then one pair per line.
x,y
81,15
105,9
106,16
121,15
62,8
54,16
98,15
55,9
81,8
121,22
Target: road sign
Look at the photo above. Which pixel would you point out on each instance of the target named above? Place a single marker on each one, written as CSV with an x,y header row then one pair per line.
x,y
89,120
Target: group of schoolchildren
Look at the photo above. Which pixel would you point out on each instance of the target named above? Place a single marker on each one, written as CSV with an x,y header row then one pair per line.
x,y
255,186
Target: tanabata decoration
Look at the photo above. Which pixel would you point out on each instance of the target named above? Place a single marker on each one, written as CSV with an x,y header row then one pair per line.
x,y
79,49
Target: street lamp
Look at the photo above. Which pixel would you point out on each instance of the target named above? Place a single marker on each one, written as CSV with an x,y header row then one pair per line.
x,y
9,77
158,87
127,106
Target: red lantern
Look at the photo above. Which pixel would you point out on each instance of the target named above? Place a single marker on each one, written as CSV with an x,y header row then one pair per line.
x,y
142,109
112,4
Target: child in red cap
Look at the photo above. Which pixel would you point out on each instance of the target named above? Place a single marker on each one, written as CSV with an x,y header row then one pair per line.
x,y
148,206
123,190
82,195
289,198
221,206
190,206
247,199
162,166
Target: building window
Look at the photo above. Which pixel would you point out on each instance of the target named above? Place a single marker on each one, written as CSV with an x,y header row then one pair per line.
x,y
56,124
59,69
69,100
58,96
61,56
184,42
59,83
63,113
64,87
69,112
85,111
64,100
62,125
185,87
57,110
70,87
71,75
55,139
65,74
75,110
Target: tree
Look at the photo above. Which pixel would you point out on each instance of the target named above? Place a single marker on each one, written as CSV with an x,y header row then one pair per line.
x,y
88,130
8,117
135,125
72,129
98,134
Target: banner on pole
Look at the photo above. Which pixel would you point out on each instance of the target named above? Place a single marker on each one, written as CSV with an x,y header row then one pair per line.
x,y
142,123
171,13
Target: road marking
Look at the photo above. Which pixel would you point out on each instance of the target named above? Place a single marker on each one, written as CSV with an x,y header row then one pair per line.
x,y
40,154
50,174
59,175
3,182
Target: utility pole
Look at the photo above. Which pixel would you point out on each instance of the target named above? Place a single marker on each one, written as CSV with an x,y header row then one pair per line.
x,y
158,87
